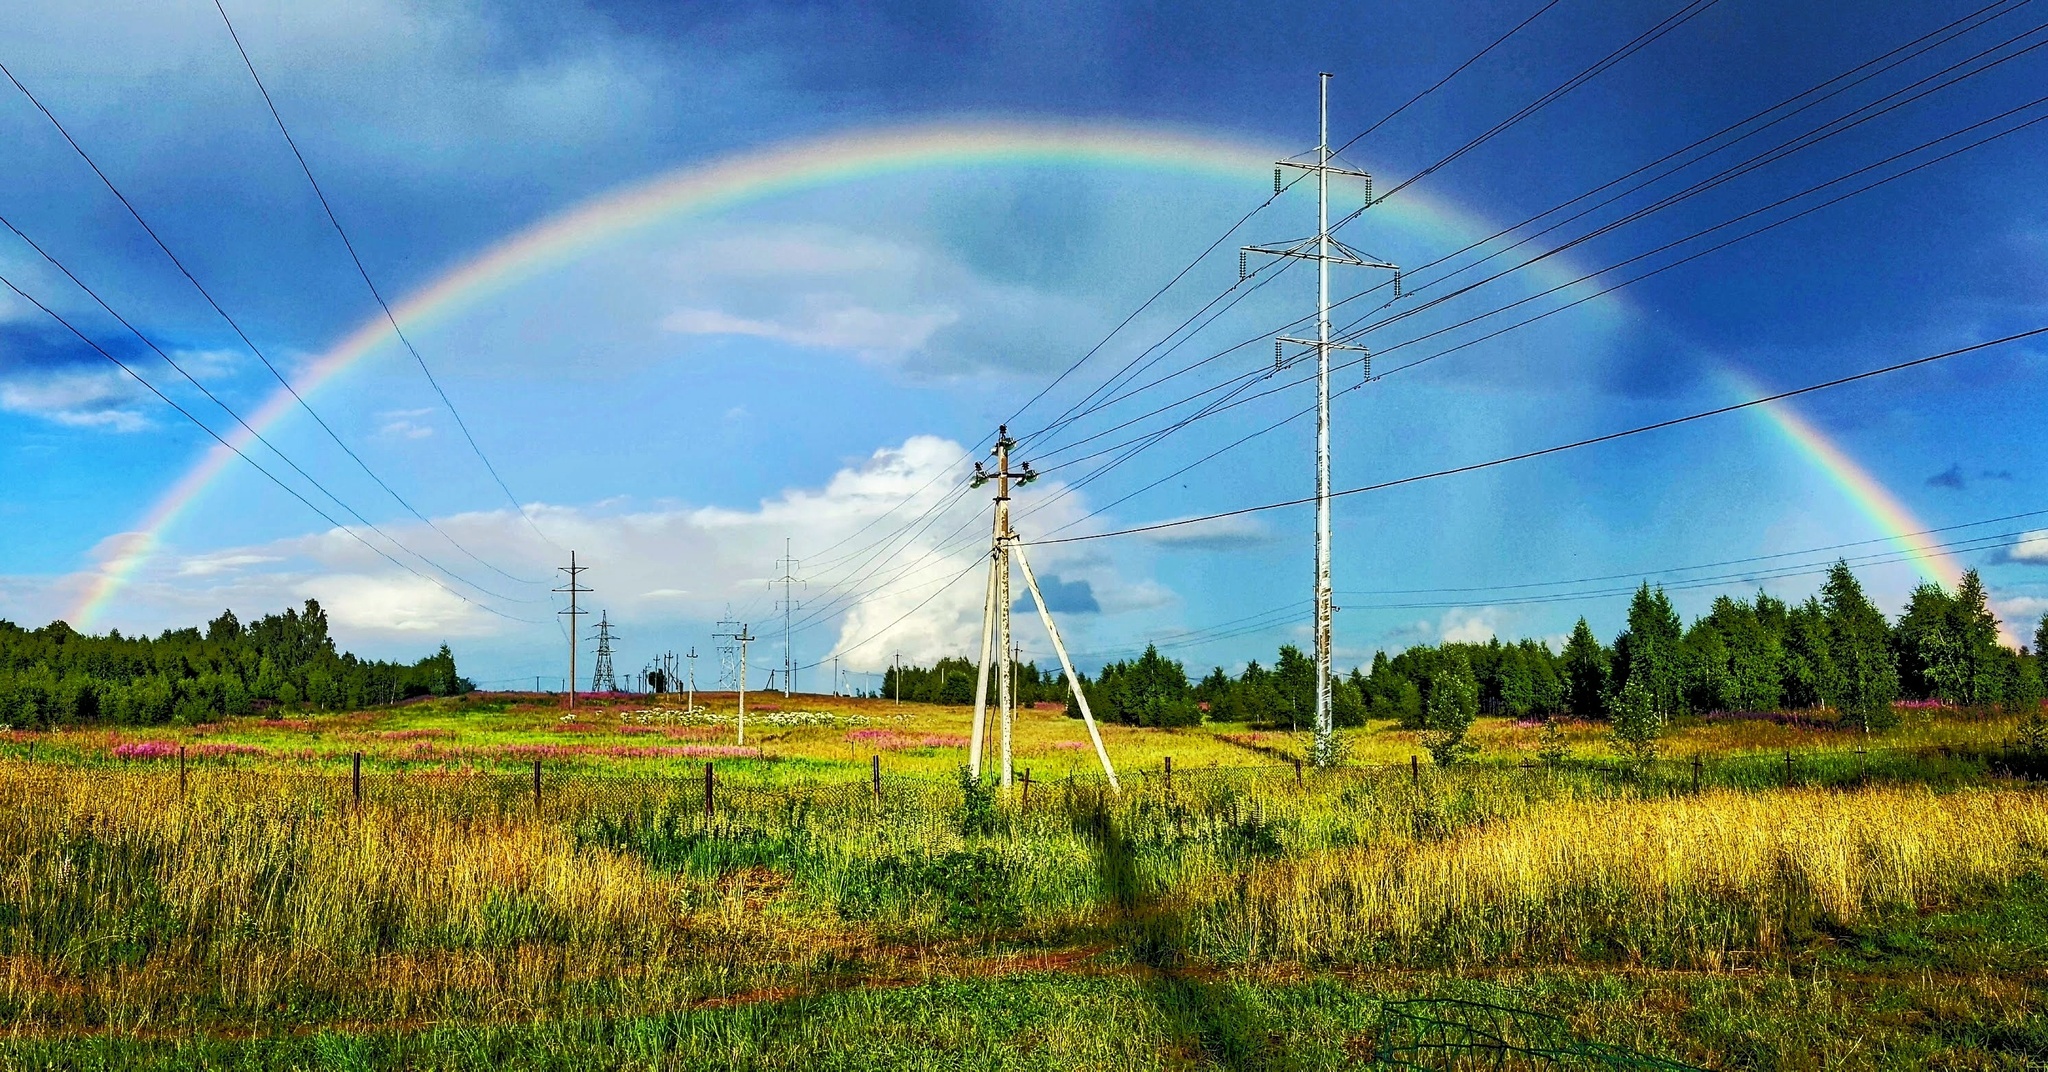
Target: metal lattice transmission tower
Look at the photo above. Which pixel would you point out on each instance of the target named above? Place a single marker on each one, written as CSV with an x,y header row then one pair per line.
x,y
601,678
572,590
787,566
1325,250
728,650
996,642
740,637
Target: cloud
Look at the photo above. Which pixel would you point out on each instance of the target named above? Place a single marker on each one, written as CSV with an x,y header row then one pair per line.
x,y
404,424
1469,626
1061,597
2031,548
1223,534
211,565
879,298
1997,474
77,398
2021,613
891,554
1951,477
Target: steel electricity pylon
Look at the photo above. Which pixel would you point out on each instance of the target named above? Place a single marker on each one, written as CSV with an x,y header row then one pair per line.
x,y
729,651
741,637
996,642
572,590
601,676
1325,250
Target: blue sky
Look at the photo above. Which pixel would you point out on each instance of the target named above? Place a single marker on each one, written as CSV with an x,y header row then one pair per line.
x,y
676,402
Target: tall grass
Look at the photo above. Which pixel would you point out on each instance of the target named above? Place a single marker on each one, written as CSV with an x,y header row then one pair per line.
x,y
260,898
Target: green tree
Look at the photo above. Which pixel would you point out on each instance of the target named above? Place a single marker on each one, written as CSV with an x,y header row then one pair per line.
x,y
1652,647
1638,724
1585,672
1859,642
1452,704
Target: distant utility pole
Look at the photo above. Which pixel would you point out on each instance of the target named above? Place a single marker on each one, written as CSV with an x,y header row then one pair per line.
x,y
728,652
690,704
899,679
835,675
787,565
996,641
1325,251
741,638
573,589
601,679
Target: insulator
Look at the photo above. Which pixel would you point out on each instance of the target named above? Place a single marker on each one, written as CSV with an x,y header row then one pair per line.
x,y
1240,265
1279,349
1365,359
1368,191
1397,284
1276,180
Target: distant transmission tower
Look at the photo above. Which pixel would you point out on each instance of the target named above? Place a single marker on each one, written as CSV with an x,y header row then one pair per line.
x,y
572,589
788,567
1325,251
728,650
741,638
601,679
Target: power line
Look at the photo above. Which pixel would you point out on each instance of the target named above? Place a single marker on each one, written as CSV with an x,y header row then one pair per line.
x,y
367,281
203,426
1439,84
1354,332
233,324
1526,455
237,417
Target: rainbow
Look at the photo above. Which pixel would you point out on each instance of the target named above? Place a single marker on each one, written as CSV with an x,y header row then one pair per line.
x,y
700,190
1902,529
761,174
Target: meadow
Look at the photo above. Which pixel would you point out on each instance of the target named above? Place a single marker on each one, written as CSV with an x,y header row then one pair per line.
x,y
236,895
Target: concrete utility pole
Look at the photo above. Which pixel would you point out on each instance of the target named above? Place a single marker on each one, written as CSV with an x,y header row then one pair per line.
x,y
899,679
691,703
601,676
996,640
573,589
835,675
1325,250
788,567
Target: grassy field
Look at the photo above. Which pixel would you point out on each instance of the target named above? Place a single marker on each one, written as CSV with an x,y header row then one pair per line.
x,y
1882,908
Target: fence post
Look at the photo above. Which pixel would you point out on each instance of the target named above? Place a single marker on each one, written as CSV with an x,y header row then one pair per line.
x,y
181,770
1415,770
875,769
1297,772
1169,773
536,786
1788,768
708,800
1862,766
1695,772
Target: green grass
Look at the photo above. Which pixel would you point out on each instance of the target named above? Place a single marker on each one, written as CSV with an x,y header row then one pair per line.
x,y
254,916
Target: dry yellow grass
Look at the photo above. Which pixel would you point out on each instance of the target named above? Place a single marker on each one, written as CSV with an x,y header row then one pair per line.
x,y
1702,879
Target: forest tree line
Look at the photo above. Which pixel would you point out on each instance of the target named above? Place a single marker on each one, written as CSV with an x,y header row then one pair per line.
x,y
58,676
1836,650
